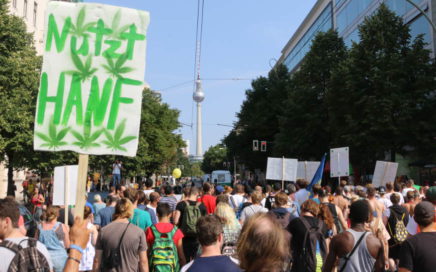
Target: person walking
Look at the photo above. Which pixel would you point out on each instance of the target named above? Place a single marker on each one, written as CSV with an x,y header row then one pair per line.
x,y
121,246
104,216
256,207
98,204
37,202
231,228
54,235
87,260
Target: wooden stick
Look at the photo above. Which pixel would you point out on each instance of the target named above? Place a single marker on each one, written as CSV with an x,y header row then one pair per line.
x,y
81,185
283,173
66,195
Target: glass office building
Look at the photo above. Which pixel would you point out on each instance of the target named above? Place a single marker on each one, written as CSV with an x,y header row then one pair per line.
x,y
345,16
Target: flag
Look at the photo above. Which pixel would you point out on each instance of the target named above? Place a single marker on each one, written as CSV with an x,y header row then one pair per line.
x,y
318,174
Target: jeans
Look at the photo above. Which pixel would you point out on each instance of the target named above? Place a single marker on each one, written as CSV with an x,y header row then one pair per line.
x,y
116,179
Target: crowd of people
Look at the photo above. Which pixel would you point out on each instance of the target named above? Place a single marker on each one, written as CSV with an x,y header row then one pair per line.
x,y
220,228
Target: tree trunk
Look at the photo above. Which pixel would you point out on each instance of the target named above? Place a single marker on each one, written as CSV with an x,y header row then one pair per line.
x,y
11,182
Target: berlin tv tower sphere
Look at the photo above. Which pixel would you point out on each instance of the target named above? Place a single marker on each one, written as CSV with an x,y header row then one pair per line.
x,y
198,95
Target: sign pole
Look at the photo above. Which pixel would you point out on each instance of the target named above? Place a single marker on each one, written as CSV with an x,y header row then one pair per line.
x,y
283,173
339,178
81,185
384,172
66,195
305,170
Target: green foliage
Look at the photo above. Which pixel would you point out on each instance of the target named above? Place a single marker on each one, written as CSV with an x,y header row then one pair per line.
x,y
84,70
80,28
116,69
87,140
54,139
214,158
116,141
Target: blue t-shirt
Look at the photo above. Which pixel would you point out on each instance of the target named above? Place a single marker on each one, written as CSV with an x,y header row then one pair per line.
x,y
150,211
141,218
104,216
212,264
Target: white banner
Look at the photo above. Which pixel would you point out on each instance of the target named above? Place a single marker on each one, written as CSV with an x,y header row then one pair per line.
x,y
60,178
282,169
384,172
307,169
339,162
92,79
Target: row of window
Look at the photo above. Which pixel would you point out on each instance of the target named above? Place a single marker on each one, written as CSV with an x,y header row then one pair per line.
x,y
35,10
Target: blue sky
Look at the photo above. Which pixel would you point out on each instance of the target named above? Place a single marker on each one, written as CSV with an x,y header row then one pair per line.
x,y
241,39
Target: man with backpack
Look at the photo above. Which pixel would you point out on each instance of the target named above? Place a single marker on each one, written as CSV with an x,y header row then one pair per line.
x,y
308,245
186,216
18,252
357,249
270,199
280,212
165,243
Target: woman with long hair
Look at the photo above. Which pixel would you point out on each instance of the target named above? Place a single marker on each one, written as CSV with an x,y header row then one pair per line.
x,y
231,228
54,235
89,252
262,245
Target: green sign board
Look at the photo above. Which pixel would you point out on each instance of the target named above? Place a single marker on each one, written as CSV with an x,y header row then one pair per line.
x,y
91,86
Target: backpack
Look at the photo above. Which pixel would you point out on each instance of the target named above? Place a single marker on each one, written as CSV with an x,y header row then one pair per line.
x,y
26,259
332,208
270,201
229,249
282,218
164,257
401,232
190,218
313,240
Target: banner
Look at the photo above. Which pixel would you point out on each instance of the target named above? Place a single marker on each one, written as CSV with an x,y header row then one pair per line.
x,y
61,175
282,169
307,169
91,85
384,172
339,162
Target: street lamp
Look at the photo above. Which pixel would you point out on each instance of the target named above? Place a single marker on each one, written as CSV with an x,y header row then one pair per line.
x,y
423,13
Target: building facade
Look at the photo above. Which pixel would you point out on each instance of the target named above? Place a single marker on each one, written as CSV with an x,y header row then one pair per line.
x,y
345,16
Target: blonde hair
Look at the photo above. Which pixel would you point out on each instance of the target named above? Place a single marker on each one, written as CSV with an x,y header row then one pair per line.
x,y
227,214
123,209
262,245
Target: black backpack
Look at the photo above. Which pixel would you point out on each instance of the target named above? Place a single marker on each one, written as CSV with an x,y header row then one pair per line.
x,y
27,259
332,208
313,236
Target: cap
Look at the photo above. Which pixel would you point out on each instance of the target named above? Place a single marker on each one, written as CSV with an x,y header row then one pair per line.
x,y
219,189
424,209
430,195
382,189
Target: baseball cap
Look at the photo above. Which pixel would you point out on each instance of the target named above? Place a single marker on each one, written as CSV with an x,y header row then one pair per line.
x,y
424,209
430,195
219,189
382,189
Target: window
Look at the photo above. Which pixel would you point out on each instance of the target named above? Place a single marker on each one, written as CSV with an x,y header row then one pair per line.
x,y
14,3
420,26
25,9
35,13
352,10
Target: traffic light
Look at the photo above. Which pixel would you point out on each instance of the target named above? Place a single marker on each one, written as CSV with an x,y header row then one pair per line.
x,y
263,146
255,145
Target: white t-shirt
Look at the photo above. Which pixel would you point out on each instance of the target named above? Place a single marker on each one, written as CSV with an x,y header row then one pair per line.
x,y
406,190
154,209
238,199
148,192
117,168
249,211
7,255
388,196
301,196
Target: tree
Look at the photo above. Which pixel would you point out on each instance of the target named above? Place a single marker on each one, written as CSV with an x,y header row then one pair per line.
x,y
259,118
214,158
19,77
304,130
384,92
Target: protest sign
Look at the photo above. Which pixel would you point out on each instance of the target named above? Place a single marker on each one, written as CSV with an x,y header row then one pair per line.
x,y
62,176
91,85
384,172
339,162
307,169
282,169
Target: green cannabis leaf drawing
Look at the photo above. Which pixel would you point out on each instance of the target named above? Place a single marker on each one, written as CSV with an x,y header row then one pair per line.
x,y
116,141
80,27
54,139
116,69
116,30
84,70
87,140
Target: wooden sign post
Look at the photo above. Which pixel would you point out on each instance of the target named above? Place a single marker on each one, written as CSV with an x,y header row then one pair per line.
x,y
66,195
81,185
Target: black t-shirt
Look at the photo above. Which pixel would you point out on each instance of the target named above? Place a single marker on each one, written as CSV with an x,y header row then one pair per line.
x,y
182,205
298,231
418,252
212,264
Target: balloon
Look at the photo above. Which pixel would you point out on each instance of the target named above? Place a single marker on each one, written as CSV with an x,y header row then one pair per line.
x,y
177,173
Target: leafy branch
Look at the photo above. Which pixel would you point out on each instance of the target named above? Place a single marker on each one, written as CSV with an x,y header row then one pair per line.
x,y
116,141
117,69
54,139
87,140
80,27
84,70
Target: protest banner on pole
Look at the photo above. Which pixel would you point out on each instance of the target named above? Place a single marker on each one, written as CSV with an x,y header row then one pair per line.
x,y
384,172
339,162
91,85
64,185
307,169
282,169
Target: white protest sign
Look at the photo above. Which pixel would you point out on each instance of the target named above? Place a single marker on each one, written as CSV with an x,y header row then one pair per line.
x,y
339,162
307,169
276,171
384,172
59,184
91,86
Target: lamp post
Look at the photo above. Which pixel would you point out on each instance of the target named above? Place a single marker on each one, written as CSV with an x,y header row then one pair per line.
x,y
423,13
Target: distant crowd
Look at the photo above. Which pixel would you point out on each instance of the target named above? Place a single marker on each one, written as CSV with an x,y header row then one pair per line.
x,y
220,228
